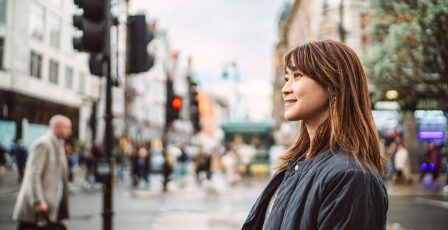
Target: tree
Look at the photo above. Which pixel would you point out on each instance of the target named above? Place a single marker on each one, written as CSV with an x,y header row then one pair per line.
x,y
409,52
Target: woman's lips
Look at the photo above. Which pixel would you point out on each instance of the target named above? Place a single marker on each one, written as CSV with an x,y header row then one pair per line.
x,y
289,102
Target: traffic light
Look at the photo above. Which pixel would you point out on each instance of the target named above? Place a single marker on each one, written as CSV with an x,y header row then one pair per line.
x,y
173,104
138,37
93,24
176,104
96,64
194,107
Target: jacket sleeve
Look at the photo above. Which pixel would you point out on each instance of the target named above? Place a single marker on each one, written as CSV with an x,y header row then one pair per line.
x,y
353,200
36,163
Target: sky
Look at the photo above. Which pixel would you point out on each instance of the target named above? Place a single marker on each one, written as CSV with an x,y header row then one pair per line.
x,y
218,32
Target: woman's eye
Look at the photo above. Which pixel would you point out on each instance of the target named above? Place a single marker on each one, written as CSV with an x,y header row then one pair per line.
x,y
285,79
297,75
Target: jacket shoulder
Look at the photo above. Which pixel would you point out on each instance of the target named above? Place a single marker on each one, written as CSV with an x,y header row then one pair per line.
x,y
343,163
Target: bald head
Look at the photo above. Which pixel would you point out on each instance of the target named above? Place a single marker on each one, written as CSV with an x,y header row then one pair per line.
x,y
61,126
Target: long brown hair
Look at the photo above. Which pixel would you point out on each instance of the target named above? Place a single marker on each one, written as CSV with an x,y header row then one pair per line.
x,y
350,126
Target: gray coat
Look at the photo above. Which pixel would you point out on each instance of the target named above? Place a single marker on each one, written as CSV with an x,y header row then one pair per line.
x,y
46,168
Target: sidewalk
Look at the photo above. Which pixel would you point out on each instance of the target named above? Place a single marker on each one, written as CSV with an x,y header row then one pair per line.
x,y
186,205
8,181
420,188
211,206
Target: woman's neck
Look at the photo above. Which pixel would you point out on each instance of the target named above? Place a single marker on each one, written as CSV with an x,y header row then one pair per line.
x,y
312,126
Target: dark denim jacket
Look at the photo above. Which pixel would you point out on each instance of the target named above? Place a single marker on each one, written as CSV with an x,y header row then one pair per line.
x,y
329,191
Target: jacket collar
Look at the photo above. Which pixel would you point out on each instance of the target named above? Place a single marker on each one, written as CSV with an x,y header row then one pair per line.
x,y
265,196
305,165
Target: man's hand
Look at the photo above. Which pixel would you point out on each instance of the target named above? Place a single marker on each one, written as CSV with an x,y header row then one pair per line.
x,y
41,206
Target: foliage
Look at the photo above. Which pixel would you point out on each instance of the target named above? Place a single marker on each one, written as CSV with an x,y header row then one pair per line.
x,y
409,51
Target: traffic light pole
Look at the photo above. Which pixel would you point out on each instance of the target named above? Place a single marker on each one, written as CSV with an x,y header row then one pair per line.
x,y
108,139
166,164
108,136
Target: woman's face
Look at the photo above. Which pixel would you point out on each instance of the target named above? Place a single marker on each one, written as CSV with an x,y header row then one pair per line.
x,y
304,98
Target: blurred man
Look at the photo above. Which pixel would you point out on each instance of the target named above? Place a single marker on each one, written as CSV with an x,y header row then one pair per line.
x,y
44,191
141,167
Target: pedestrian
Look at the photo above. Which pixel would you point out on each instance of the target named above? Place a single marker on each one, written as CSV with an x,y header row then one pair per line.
x,y
20,154
436,160
119,161
390,150
403,173
183,160
230,162
44,191
2,156
331,177
71,155
90,159
141,167
199,161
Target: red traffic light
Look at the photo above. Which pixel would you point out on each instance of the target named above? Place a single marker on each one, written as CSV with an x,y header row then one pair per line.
x,y
176,103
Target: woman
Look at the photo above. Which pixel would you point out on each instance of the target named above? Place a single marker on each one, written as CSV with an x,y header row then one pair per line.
x,y
331,177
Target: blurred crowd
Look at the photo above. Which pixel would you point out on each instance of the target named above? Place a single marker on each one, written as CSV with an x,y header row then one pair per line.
x,y
433,163
136,162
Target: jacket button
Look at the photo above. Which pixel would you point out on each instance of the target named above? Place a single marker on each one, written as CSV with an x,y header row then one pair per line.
x,y
296,167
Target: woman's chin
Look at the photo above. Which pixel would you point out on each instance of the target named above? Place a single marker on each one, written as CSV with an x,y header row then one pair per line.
x,y
291,117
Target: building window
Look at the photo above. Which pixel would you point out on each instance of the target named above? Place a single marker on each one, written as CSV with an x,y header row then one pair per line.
x,y
82,84
2,50
37,21
54,30
364,20
3,11
35,64
53,72
68,77
364,41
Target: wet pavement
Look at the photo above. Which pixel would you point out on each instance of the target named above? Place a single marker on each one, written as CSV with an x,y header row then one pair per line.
x,y
214,205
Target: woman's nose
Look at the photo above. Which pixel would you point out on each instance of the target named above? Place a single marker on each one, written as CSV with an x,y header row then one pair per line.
x,y
286,89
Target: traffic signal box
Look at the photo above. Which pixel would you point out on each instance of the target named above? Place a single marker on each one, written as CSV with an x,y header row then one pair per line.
x,y
93,24
194,107
173,104
138,37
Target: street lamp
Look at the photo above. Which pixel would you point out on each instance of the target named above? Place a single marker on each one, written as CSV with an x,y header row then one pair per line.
x,y
231,70
391,94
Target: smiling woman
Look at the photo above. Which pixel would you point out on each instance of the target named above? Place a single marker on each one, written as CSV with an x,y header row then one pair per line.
x,y
331,177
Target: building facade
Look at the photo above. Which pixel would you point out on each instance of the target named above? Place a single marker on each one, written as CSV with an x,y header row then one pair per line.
x,y
41,74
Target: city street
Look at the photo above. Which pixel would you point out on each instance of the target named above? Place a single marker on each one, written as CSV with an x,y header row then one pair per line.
x,y
183,207
418,212
214,206
192,105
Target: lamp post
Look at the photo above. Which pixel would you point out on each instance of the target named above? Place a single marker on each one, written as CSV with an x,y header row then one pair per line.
x,y
231,70
342,32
